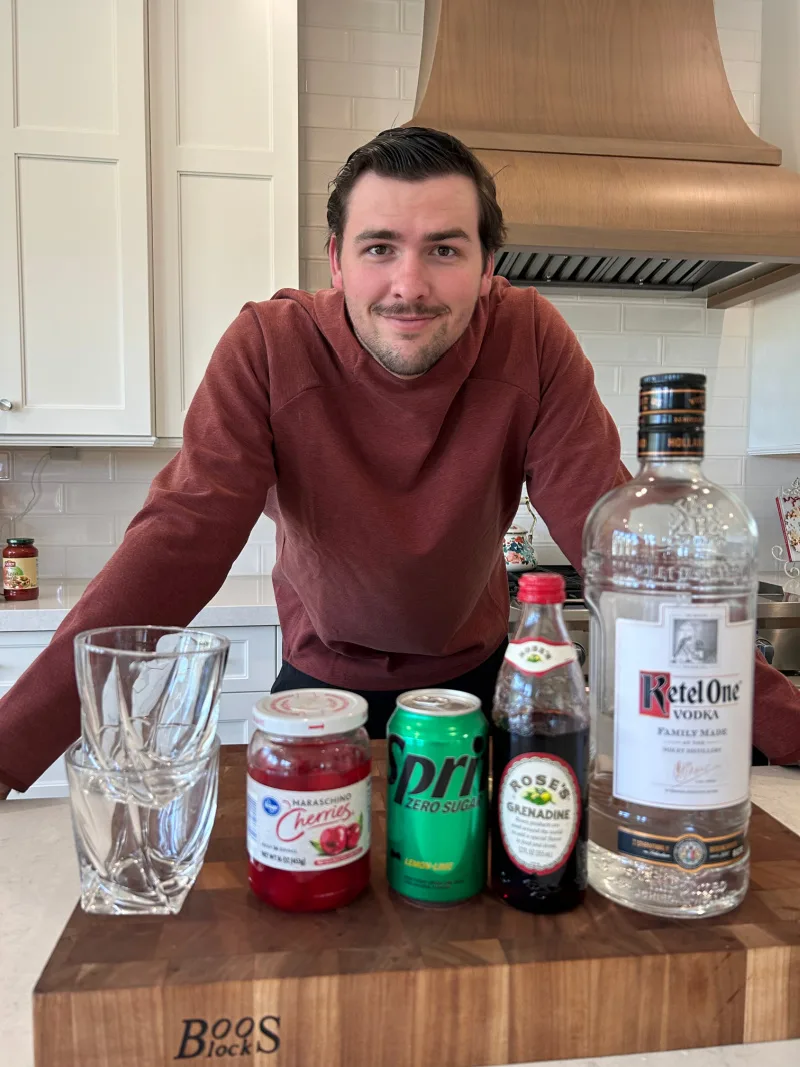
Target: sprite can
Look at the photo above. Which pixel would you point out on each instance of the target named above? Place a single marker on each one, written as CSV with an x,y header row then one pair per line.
x,y
436,800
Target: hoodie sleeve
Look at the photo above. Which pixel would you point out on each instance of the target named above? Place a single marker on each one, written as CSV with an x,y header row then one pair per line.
x,y
175,554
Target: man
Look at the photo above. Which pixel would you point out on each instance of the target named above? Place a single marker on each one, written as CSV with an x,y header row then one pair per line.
x,y
386,426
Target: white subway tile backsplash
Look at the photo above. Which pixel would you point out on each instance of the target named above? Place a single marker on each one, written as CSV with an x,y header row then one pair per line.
x,y
408,88
728,382
376,115
92,465
740,44
606,378
411,17
67,529
726,441
52,563
312,242
355,14
620,348
705,351
591,316
723,471
738,14
742,76
313,211
314,177
317,43
351,79
335,112
82,562
726,411
334,145
746,102
15,497
248,561
140,464
735,322
118,498
263,531
640,317
397,48
316,275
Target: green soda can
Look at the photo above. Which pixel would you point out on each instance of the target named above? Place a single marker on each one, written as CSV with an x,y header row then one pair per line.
x,y
436,802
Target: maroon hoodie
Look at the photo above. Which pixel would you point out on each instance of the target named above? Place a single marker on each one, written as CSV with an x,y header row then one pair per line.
x,y
390,497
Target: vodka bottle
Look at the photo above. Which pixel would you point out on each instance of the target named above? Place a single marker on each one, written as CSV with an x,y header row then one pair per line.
x,y
670,579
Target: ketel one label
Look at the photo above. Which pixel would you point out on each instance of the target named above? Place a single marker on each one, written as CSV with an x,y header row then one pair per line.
x,y
535,655
684,698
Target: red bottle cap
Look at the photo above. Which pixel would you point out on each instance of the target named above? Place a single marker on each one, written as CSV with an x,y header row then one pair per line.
x,y
541,587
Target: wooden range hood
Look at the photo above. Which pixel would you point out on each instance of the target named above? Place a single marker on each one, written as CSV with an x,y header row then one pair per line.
x,y
620,156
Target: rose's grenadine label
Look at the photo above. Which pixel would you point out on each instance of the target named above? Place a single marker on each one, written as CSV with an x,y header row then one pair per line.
x,y
293,830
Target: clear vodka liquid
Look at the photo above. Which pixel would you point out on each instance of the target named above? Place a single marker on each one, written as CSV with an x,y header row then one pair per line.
x,y
670,579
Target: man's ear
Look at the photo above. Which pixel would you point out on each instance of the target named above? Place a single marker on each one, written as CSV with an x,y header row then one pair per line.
x,y
486,276
335,265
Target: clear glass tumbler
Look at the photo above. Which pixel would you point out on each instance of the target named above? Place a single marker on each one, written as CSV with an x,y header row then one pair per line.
x,y
141,836
149,694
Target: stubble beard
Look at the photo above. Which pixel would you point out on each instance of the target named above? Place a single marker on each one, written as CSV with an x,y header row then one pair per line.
x,y
397,359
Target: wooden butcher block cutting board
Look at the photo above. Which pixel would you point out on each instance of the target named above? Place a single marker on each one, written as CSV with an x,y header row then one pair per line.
x,y
385,984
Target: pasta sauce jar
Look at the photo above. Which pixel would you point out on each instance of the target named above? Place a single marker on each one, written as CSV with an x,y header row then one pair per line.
x,y
20,569
308,799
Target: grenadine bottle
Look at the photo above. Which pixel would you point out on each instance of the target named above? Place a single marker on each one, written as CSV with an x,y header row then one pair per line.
x,y
540,758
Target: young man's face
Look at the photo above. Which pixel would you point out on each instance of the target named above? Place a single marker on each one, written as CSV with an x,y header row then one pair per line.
x,y
411,267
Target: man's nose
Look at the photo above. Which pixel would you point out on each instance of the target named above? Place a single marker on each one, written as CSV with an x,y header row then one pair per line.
x,y
410,280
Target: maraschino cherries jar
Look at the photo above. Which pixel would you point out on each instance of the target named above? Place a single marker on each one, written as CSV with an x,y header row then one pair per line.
x,y
308,799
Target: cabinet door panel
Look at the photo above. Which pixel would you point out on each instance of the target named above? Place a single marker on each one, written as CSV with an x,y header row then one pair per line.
x,y
74,272
225,177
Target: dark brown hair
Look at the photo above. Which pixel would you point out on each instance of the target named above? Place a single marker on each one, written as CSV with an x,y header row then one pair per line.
x,y
413,153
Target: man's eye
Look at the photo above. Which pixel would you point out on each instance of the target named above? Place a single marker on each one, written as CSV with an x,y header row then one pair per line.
x,y
445,252
378,250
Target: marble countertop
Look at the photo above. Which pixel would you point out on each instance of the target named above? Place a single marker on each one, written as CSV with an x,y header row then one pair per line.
x,y
246,600
39,888
242,601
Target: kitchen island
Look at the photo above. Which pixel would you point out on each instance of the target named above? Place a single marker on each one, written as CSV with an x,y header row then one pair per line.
x,y
39,890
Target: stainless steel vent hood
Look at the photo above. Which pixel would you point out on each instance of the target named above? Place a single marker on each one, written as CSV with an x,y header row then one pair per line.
x,y
621,159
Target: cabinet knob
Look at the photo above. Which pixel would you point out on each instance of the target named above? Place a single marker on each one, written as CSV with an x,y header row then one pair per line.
x,y
6,405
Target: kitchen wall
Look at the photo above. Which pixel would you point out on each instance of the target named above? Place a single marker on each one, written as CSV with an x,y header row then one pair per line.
x,y
358,73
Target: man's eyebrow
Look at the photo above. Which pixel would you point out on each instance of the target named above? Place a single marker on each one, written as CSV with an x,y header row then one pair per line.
x,y
393,235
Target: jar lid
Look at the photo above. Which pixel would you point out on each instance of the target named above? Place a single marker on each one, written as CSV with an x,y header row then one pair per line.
x,y
19,541
310,712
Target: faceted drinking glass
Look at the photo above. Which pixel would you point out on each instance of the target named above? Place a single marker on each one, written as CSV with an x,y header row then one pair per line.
x,y
149,694
141,836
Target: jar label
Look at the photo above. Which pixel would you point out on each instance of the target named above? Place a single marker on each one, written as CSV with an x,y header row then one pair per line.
x,y
307,831
535,655
22,573
539,811
683,708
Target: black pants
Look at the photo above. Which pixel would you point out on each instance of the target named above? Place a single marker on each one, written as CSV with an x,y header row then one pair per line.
x,y
480,682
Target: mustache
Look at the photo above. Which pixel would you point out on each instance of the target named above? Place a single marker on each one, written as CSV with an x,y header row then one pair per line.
x,y
410,311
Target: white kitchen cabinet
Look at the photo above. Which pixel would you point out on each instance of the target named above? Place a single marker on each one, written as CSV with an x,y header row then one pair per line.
x,y
249,674
224,117
74,274
774,424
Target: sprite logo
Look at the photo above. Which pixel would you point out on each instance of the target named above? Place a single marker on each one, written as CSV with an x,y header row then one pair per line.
x,y
411,776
